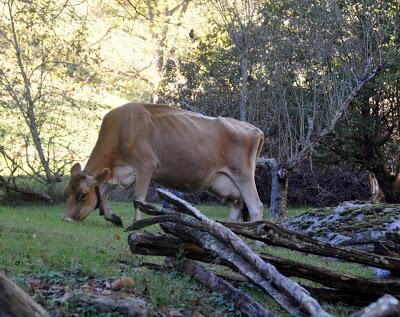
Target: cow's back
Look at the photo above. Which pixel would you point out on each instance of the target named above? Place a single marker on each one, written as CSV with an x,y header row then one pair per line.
x,y
189,148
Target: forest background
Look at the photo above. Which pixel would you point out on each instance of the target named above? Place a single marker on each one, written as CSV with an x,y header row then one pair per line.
x,y
320,78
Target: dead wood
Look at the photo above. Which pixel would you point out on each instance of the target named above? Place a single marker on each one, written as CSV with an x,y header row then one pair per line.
x,y
350,286
387,248
241,300
273,234
226,256
14,302
333,295
357,285
226,246
386,306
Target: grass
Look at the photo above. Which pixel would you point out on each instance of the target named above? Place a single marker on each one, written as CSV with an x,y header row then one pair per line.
x,y
34,241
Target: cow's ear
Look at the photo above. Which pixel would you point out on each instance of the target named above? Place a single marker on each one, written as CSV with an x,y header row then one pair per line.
x,y
103,176
76,168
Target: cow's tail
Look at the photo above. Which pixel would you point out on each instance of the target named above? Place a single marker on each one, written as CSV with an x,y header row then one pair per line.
x,y
260,144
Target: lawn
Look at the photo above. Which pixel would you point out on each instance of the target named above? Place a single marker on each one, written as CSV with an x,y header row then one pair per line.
x,y
34,241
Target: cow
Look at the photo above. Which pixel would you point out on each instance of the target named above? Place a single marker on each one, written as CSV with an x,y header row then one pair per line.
x,y
179,149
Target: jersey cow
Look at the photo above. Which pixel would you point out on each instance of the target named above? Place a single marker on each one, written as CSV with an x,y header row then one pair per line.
x,y
178,149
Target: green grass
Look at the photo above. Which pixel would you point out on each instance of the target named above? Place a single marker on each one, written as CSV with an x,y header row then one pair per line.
x,y
35,241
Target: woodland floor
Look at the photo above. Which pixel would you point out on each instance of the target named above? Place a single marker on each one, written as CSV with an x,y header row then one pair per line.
x,y
54,259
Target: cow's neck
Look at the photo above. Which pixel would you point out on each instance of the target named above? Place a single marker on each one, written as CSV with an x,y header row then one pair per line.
x,y
97,161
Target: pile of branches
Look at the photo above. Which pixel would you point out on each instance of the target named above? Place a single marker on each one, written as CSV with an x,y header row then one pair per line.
x,y
189,235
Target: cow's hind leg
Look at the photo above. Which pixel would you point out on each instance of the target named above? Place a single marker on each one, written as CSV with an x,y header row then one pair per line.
x,y
105,209
226,190
235,210
248,190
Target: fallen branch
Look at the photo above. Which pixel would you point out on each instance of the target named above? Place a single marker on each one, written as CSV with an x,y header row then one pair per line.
x,y
15,302
273,234
386,306
328,278
387,248
221,241
242,301
350,286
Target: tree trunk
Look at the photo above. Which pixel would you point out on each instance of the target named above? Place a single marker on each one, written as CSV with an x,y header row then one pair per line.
x,y
244,91
387,183
377,194
279,192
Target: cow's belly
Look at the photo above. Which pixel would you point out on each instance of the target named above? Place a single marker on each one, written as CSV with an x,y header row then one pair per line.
x,y
185,181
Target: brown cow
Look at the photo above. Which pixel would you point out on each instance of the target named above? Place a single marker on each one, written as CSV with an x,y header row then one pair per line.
x,y
179,149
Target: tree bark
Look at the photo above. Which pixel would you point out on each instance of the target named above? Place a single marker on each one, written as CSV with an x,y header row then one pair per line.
x,y
209,235
279,192
387,248
377,194
273,234
386,306
388,183
14,302
244,90
352,286
241,300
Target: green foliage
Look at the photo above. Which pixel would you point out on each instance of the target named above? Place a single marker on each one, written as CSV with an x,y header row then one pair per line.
x,y
45,66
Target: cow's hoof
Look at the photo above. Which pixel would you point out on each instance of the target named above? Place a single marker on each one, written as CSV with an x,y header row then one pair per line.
x,y
117,221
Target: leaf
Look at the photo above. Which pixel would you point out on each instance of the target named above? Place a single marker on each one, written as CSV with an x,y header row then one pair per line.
x,y
117,237
123,282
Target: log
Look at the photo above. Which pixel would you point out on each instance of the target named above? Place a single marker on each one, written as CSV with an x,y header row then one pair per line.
x,y
386,306
14,302
290,288
333,295
242,301
226,256
226,246
351,286
328,278
273,234
387,248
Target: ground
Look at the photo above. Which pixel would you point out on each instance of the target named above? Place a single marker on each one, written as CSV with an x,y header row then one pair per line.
x,y
53,259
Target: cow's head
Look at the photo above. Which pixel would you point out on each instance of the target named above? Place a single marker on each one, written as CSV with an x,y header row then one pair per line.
x,y
80,193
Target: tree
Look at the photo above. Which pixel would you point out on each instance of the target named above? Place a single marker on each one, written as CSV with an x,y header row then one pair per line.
x,y
311,59
370,133
43,61
238,19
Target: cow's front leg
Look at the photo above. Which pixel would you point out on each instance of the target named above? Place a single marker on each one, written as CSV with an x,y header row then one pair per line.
x,y
105,209
143,179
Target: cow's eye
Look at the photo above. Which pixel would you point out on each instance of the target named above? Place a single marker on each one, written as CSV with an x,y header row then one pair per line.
x,y
81,196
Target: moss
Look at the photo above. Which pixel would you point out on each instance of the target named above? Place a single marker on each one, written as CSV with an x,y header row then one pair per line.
x,y
375,217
